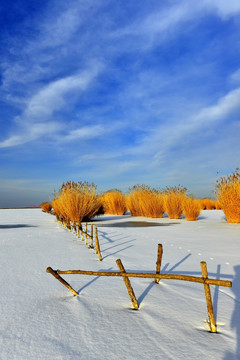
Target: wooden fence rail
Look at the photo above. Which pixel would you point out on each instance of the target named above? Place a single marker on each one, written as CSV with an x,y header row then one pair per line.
x,y
157,276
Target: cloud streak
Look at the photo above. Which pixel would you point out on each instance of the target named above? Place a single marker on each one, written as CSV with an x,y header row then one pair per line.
x,y
36,121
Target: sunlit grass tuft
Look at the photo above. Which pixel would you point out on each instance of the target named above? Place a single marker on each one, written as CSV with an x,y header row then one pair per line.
x,y
217,205
114,203
208,204
76,202
174,198
228,194
191,208
46,207
144,201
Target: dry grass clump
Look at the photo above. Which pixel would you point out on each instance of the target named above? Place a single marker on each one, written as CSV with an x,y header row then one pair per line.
x,y
201,204
133,202
217,205
144,201
228,194
114,203
208,204
191,208
46,207
174,199
76,202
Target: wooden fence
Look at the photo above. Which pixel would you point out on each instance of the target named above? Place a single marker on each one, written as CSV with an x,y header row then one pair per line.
x,y
80,233
157,276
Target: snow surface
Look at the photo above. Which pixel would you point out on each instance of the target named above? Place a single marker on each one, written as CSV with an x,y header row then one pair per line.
x,y
41,319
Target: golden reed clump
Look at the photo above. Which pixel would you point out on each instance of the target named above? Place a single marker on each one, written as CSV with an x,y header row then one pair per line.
x,y
217,205
114,202
46,207
208,204
144,201
76,202
228,194
174,198
191,208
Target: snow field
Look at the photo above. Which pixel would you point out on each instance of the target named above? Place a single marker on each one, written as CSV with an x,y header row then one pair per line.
x,y
41,319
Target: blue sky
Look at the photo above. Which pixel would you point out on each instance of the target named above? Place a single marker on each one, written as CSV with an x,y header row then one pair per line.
x,y
117,93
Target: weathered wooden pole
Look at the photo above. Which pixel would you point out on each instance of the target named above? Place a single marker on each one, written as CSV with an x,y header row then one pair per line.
x,y
91,238
58,277
74,229
128,284
196,279
159,261
85,233
212,323
97,245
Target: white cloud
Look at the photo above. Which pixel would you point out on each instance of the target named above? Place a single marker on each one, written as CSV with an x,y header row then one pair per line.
x,y
173,134
85,133
235,77
160,25
61,28
36,119
225,107
29,133
51,97
223,8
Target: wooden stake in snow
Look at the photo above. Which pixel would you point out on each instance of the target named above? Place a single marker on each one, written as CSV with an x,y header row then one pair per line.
x,y
159,261
58,277
81,235
128,284
91,238
85,233
97,245
212,323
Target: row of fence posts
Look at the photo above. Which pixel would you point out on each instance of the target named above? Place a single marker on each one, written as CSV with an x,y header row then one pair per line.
x,y
157,275
77,229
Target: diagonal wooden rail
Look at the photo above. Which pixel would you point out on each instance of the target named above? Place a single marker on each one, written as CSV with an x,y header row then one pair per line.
x,y
157,276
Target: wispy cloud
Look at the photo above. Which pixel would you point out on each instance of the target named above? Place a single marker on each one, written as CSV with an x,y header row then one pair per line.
x,y
163,24
174,135
36,119
52,97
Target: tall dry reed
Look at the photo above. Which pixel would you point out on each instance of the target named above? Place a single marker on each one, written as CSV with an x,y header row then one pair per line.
x,y
46,207
144,201
174,198
191,208
228,194
76,202
208,204
114,203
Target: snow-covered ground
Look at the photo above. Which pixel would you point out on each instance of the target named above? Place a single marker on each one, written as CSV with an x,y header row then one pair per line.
x,y
41,319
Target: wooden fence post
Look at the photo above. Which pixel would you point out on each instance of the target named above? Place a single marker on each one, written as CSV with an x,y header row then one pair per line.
x,y
91,241
128,284
74,228
159,261
97,245
58,277
85,233
212,323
